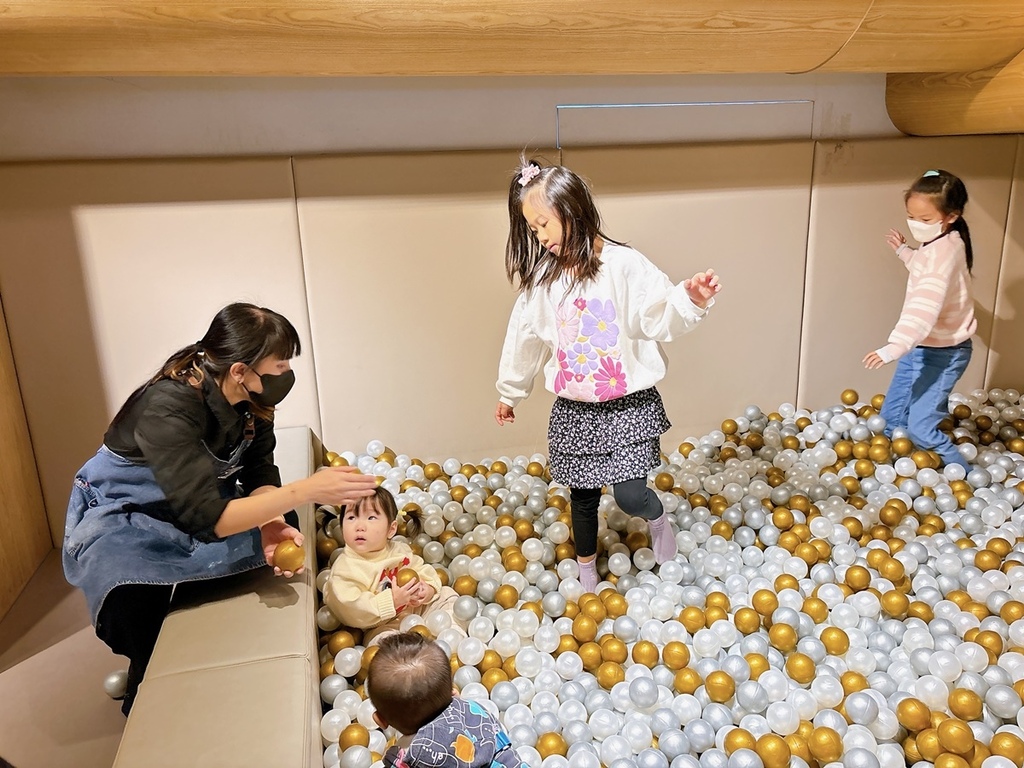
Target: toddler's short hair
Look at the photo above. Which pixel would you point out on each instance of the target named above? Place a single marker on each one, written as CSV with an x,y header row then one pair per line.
x,y
409,681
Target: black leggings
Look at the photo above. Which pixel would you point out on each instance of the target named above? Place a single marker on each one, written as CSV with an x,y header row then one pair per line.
x,y
129,622
632,496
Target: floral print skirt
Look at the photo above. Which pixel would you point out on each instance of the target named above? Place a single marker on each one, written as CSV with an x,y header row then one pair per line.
x,y
591,445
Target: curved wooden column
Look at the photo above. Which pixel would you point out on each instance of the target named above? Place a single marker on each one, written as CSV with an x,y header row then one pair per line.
x,y
422,37
930,36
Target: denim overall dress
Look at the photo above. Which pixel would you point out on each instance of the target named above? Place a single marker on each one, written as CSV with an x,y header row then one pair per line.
x,y
114,534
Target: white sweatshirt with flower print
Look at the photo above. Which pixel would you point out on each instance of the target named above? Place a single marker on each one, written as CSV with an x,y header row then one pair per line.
x,y
601,341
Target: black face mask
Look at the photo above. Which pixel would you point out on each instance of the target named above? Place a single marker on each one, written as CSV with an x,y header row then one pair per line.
x,y
276,387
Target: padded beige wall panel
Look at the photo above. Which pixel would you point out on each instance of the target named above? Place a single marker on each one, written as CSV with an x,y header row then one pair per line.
x,y
855,285
108,268
191,718
742,210
1005,362
409,303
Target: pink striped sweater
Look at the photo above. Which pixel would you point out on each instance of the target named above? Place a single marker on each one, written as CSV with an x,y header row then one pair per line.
x,y
938,310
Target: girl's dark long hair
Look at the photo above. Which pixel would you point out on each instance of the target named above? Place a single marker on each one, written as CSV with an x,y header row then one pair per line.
x,y
527,262
949,195
239,333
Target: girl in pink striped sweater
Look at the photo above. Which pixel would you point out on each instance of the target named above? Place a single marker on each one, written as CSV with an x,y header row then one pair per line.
x,y
932,340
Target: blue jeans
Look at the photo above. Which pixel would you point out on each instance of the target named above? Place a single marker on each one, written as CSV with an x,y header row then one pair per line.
x,y
918,396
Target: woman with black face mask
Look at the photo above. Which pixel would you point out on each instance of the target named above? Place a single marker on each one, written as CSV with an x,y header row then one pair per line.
x,y
185,487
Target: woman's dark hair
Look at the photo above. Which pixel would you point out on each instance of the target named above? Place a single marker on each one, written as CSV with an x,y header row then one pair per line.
x,y
239,333
385,503
526,260
949,195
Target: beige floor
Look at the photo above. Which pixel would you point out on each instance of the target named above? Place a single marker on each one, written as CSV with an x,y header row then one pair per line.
x,y
53,710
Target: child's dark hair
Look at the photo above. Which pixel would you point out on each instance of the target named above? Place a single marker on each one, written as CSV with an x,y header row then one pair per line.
x,y
949,195
385,502
409,681
526,260
238,333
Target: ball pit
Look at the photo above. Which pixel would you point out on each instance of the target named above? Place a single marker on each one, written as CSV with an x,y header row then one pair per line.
x,y
838,599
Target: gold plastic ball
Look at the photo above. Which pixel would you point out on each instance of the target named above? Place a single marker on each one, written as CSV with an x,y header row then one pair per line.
x,y
965,704
535,469
928,744
354,735
339,641
646,653
405,576
955,736
738,738
835,640
720,686
687,680
825,745
849,397
506,596
783,637
675,655
857,578
465,585
764,602
913,715
664,481
693,619
492,677
551,744
289,556
949,760
1009,746
616,605
759,664
800,668
773,751
747,621
615,650
591,656
584,628
610,673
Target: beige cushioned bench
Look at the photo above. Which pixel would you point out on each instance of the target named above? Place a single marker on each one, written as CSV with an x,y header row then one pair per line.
x,y
234,678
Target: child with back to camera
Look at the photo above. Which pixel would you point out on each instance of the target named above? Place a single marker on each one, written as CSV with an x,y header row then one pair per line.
x,y
932,340
363,589
410,685
600,310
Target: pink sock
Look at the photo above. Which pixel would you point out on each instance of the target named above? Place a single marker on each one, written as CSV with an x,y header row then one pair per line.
x,y
588,575
663,540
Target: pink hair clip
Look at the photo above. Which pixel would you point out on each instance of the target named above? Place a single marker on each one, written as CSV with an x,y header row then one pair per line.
x,y
528,174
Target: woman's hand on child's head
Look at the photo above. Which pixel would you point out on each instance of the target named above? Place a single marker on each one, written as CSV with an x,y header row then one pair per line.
x,y
504,413
872,360
341,485
702,287
895,239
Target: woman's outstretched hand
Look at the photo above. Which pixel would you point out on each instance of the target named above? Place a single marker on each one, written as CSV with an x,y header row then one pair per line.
x,y
702,287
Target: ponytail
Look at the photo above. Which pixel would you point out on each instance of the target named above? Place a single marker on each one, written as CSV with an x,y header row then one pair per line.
x,y
960,225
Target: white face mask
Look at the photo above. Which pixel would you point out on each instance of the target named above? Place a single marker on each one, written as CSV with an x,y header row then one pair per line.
x,y
924,233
